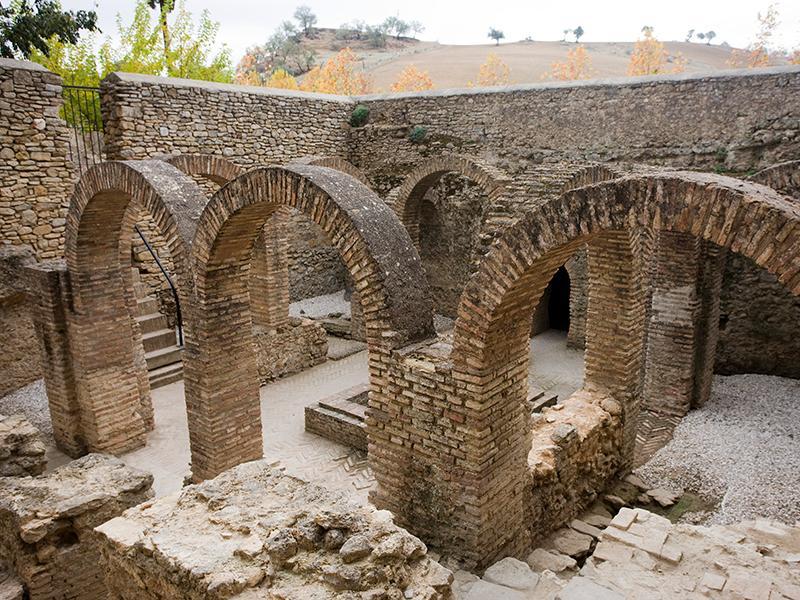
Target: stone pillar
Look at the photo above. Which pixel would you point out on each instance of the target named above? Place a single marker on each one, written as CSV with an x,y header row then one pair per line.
x,y
675,306
269,274
615,325
51,299
709,284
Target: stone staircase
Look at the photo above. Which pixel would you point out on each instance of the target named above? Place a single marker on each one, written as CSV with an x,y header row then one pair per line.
x,y
161,351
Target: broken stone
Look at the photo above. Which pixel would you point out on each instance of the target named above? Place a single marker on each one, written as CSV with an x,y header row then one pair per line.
x,y
485,590
582,588
624,519
713,581
664,497
512,573
570,542
546,560
598,521
355,548
612,551
582,527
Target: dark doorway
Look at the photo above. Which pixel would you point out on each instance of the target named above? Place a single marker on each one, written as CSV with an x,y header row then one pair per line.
x,y
558,302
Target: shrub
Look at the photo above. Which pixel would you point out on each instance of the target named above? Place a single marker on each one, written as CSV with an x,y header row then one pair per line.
x,y
359,116
417,134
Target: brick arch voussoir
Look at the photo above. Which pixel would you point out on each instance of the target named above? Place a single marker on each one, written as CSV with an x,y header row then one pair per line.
x,y
406,200
783,177
746,218
171,197
336,163
374,246
216,168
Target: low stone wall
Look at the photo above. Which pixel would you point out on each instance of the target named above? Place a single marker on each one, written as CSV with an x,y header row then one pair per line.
x,y
575,455
291,348
759,328
254,531
21,448
47,522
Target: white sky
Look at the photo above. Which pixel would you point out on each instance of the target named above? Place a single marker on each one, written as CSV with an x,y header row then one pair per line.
x,y
245,23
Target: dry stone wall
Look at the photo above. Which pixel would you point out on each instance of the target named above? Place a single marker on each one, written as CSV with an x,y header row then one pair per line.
x,y
21,448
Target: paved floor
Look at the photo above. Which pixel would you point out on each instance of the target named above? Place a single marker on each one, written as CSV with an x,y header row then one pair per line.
x,y
553,368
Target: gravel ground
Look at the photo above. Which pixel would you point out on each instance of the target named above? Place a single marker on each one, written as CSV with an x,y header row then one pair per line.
x,y
30,401
741,449
321,306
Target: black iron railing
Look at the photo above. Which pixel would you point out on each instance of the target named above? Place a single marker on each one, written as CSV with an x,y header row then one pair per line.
x,y
178,317
81,111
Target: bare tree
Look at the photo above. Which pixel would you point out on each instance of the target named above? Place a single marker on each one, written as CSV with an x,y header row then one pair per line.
x,y
306,18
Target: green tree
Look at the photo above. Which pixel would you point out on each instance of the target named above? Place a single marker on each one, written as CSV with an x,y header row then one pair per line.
x,y
496,35
690,35
164,8
577,32
397,26
25,27
710,35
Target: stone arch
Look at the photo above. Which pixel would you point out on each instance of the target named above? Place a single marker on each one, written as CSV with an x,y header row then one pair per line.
x,y
337,164
110,376
489,353
589,175
214,168
407,199
222,389
784,177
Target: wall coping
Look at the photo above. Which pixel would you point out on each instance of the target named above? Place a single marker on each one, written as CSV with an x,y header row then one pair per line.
x,y
213,86
726,74
25,65
620,82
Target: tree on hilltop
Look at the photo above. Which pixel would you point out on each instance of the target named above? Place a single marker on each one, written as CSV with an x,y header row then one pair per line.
x,y
397,26
496,35
690,35
306,18
710,35
25,27
577,32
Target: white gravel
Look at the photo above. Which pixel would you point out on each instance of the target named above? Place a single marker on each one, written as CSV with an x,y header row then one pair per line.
x,y
321,306
742,448
30,401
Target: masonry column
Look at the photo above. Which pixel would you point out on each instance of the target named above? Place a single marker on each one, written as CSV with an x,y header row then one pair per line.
x,y
51,298
269,274
672,335
709,284
615,325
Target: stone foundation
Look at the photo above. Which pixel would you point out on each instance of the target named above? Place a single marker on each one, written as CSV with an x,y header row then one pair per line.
x,y
46,524
256,532
340,417
291,348
21,448
575,454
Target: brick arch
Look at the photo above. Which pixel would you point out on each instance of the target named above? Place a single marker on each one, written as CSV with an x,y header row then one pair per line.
x,y
490,352
336,163
407,199
589,175
111,380
215,168
784,177
221,382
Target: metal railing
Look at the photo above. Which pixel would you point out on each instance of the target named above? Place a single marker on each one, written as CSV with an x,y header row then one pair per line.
x,y
81,111
178,317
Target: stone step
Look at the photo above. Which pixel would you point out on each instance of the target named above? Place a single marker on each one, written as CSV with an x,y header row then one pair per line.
x,y
165,375
344,407
158,339
146,306
142,290
152,322
162,357
538,400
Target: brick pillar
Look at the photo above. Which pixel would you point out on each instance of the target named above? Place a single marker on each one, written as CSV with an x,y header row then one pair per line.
x,y
669,371
357,323
709,284
615,325
50,288
269,274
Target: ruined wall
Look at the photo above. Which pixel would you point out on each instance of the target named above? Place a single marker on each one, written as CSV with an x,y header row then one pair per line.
x,y
35,182
21,448
292,347
147,116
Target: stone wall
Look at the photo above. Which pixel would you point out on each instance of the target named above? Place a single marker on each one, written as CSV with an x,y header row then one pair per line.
x,y
35,172
274,536
740,121
21,448
291,348
47,522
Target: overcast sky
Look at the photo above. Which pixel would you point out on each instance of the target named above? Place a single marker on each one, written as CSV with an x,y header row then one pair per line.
x,y
247,22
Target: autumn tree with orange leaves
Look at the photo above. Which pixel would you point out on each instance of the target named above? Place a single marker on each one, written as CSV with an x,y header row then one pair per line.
x,y
338,75
650,57
412,79
281,79
492,72
577,66
757,54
